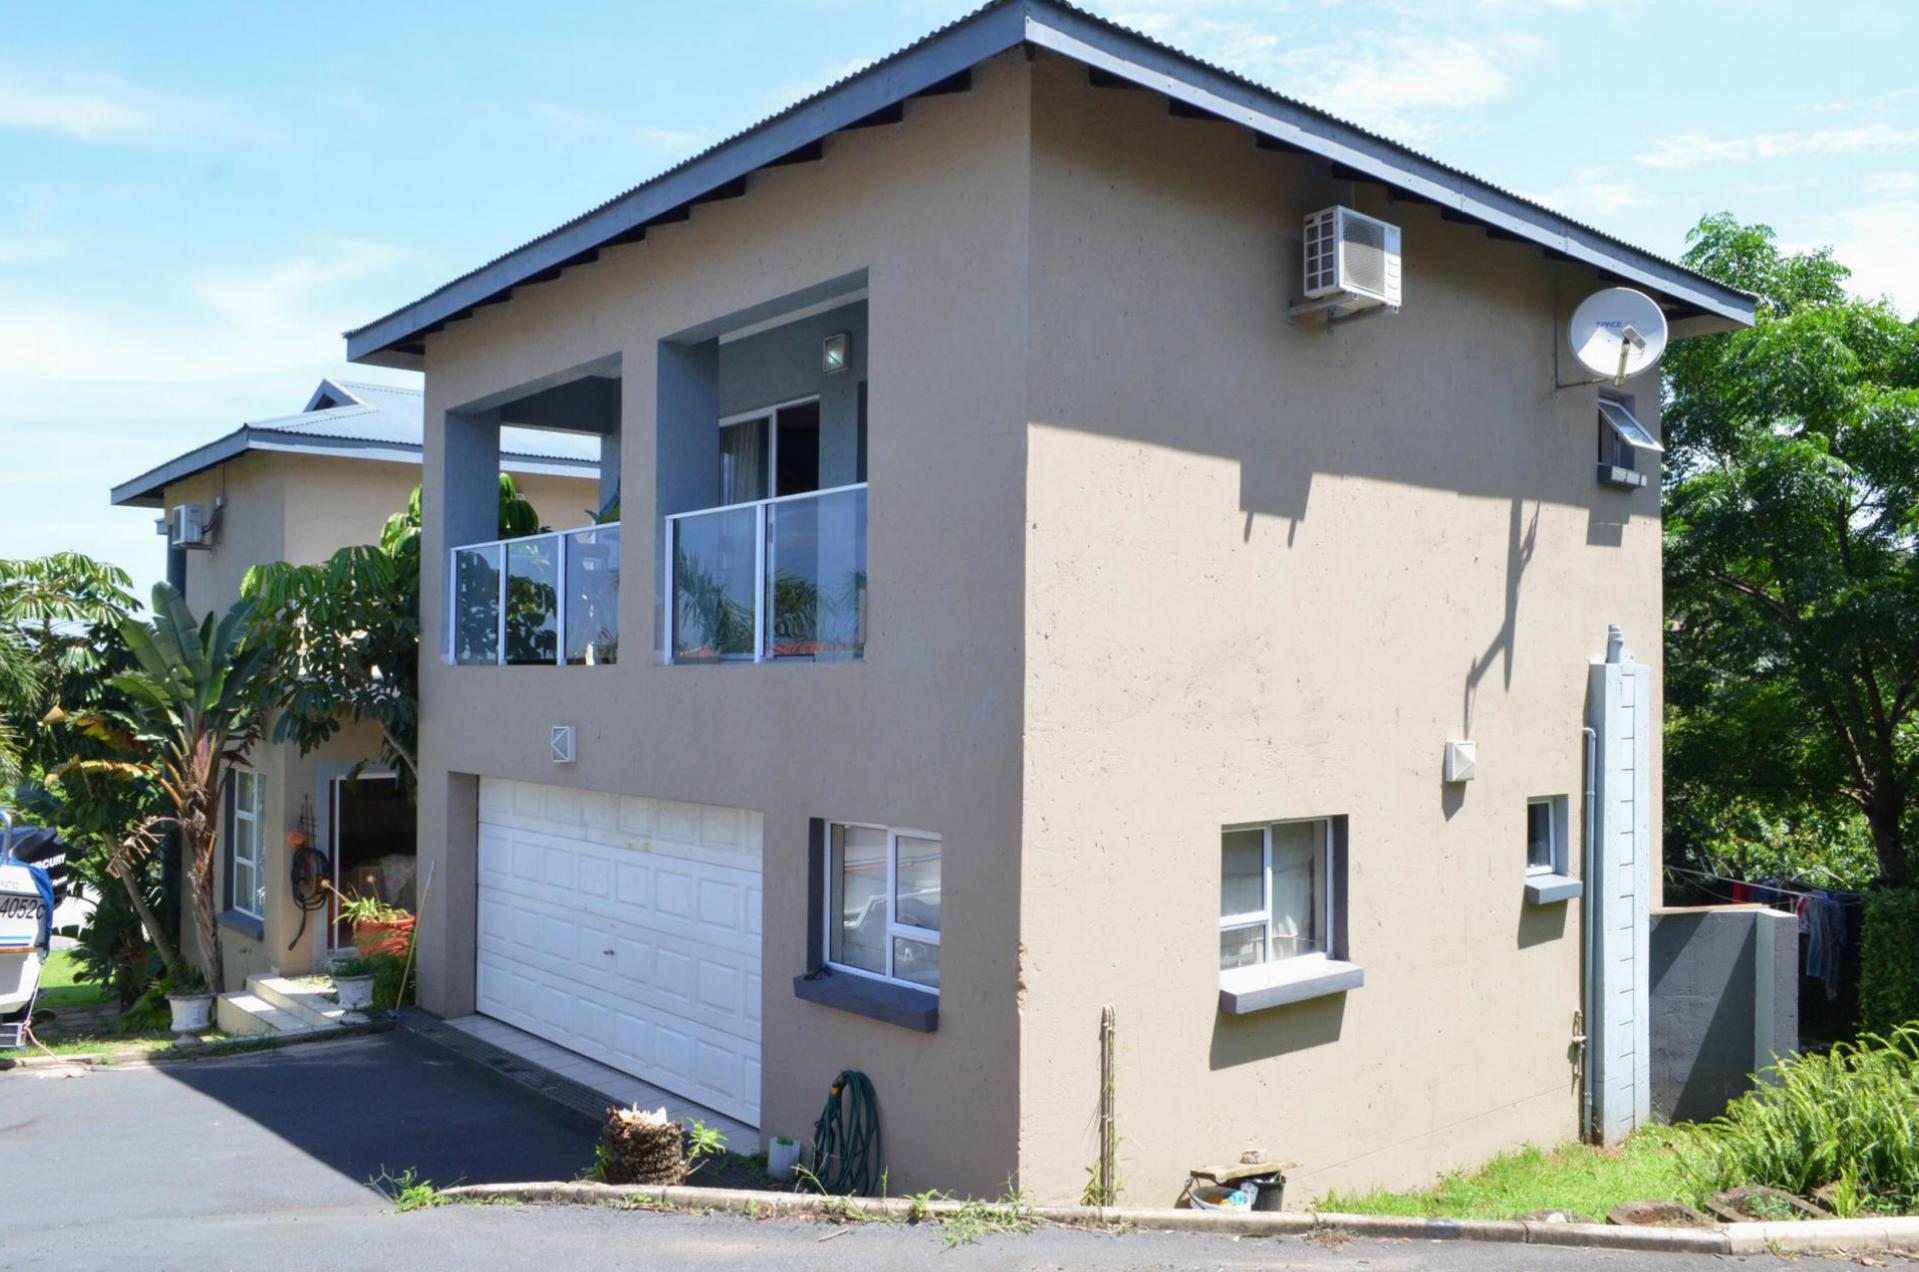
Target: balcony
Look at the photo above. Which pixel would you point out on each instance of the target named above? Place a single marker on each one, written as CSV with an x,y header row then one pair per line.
x,y
541,600
780,579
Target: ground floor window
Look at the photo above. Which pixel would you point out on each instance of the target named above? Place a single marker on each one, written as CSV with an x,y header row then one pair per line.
x,y
1275,892
883,903
246,870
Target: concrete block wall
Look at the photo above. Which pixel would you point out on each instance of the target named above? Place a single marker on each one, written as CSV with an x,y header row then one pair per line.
x,y
1725,1003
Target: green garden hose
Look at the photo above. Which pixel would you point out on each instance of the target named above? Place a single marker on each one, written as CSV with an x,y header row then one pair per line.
x,y
846,1139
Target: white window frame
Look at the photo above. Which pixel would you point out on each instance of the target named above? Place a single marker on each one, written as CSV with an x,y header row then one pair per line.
x,y
1551,804
771,414
894,927
1327,939
253,817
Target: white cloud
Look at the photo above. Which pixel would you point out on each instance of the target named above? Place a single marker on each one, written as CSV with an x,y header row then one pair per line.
x,y
1399,84
1694,148
219,325
1876,242
673,143
88,107
1593,194
1893,183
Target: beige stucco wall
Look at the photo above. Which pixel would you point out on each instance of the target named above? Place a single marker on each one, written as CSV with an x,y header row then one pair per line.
x,y
925,731
302,508
1270,572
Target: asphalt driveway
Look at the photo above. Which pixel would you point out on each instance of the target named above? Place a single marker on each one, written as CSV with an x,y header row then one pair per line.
x,y
272,1132
262,1161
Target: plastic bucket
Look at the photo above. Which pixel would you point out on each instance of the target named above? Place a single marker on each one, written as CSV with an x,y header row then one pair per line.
x,y
1216,1197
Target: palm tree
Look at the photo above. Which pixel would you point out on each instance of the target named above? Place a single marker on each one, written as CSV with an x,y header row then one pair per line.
x,y
197,708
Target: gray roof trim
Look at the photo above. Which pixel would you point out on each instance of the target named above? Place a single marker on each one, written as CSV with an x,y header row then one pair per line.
x,y
1152,65
1006,24
149,487
957,48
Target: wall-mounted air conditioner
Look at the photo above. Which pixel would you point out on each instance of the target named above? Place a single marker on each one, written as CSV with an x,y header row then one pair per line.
x,y
1352,261
189,526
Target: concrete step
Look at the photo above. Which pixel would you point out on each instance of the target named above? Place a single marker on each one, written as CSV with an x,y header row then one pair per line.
x,y
244,1013
309,1002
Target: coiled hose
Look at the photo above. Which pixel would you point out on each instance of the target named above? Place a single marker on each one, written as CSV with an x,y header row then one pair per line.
x,y
846,1139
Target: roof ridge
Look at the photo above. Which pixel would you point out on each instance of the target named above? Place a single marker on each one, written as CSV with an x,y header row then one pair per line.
x,y
378,388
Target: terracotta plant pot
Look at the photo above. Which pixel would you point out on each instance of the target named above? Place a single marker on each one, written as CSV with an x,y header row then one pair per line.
x,y
192,1013
376,936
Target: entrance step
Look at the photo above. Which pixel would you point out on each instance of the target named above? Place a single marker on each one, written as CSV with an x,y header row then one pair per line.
x,y
306,998
243,1013
279,1005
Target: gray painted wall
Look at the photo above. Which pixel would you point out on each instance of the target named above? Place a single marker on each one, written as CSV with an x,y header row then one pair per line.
x,y
1724,1003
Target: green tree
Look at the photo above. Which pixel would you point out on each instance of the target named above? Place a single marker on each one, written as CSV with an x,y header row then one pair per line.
x,y
196,710
1792,508
343,636
63,612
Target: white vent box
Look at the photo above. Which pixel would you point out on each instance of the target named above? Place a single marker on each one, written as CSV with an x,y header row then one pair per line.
x,y
187,526
1462,761
1352,259
563,741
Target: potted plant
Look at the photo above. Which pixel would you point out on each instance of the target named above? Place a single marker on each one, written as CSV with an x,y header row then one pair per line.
x,y
378,928
353,983
783,1157
190,1002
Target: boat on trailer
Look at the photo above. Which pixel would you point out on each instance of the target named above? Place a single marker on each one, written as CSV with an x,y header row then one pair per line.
x,y
26,930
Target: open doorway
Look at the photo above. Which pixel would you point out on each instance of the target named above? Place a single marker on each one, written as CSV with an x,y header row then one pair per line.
x,y
374,848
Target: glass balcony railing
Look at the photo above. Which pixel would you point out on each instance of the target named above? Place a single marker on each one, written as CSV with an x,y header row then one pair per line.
x,y
779,578
538,600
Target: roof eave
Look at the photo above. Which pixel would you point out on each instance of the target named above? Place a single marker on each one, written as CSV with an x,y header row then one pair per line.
x,y
393,339
884,84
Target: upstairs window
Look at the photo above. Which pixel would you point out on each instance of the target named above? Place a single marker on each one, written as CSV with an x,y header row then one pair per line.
x,y
1622,441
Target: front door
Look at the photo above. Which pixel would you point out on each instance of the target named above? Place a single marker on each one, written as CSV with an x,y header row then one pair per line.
x,y
373,845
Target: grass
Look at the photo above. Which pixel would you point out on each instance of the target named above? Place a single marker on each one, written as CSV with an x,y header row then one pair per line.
x,y
1575,1177
62,990
119,1046
406,1190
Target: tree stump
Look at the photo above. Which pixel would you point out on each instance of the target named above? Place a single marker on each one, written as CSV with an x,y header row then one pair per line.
x,y
638,1146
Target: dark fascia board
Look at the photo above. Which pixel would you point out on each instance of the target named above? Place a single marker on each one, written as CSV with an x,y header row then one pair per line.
x,y
931,64
1104,48
1099,46
149,488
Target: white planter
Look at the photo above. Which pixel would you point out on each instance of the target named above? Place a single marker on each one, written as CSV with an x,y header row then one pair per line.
x,y
354,993
782,1159
192,1013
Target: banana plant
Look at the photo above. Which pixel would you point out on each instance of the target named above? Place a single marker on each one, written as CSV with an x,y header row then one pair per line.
x,y
197,707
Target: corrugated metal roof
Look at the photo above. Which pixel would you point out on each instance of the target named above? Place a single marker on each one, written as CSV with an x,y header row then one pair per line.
x,y
375,421
1034,11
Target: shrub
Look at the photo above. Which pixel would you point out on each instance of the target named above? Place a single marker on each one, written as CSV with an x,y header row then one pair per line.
x,y
1889,960
1849,1117
387,971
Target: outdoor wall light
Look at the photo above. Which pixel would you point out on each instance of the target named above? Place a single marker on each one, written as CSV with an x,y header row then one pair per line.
x,y
836,352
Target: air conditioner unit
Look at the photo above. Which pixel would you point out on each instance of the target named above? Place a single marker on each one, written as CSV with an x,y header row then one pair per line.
x,y
1351,259
188,527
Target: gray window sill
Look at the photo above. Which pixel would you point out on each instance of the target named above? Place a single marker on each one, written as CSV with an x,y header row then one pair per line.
x,y
1249,989
1621,478
245,924
914,1009
1550,889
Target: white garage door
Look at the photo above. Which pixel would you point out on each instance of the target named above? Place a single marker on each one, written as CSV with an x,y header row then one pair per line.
x,y
628,930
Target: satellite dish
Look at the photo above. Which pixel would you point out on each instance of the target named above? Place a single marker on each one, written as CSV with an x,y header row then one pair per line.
x,y
1617,333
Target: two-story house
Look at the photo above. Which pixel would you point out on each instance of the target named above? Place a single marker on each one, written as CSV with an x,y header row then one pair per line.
x,y
1041,607
298,488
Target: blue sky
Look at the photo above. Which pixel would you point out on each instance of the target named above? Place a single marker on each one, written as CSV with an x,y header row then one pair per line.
x,y
196,199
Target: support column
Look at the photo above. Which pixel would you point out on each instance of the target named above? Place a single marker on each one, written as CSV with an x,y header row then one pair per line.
x,y
1619,697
